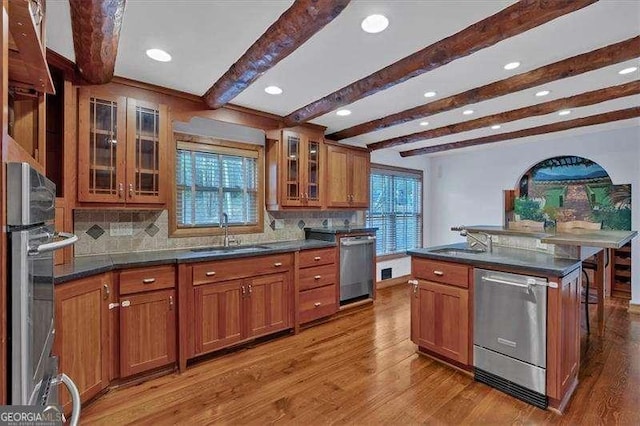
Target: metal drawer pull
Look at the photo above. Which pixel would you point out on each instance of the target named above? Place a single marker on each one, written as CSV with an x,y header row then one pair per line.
x,y
317,304
317,277
438,273
148,281
210,273
277,264
317,258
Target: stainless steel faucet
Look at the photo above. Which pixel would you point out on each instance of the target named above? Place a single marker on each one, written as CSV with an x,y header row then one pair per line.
x,y
487,244
224,223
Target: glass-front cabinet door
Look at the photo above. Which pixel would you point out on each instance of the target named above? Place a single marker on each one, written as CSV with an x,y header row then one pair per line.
x,y
312,178
101,147
146,136
292,176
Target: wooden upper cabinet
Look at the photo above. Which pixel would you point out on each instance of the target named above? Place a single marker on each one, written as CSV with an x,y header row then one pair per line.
x,y
348,172
294,169
122,146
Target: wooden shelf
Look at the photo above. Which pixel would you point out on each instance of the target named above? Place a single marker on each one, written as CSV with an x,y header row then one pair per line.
x,y
102,168
16,153
147,171
27,57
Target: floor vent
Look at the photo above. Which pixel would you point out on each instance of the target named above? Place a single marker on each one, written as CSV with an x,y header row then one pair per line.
x,y
513,389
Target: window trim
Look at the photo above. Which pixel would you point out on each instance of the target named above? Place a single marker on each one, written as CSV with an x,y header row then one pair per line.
x,y
210,144
406,172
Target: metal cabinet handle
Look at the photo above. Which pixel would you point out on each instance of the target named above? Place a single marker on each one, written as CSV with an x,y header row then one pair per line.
x,y
148,281
277,264
317,258
121,190
107,292
243,291
438,273
125,303
210,273
250,289
317,277
171,303
414,283
130,190
317,304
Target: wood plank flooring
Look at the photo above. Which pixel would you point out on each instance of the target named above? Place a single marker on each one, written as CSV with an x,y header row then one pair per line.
x,y
363,369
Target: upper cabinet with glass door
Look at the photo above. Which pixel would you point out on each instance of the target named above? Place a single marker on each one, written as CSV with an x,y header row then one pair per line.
x,y
121,149
294,165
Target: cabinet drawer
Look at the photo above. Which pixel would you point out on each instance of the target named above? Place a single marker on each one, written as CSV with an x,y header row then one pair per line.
x,y
317,257
441,272
319,276
223,270
146,279
317,303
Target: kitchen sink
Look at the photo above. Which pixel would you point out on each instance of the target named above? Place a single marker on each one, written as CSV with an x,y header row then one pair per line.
x,y
454,251
232,249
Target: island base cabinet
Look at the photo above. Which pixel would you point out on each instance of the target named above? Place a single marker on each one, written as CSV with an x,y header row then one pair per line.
x,y
147,331
217,316
82,335
440,319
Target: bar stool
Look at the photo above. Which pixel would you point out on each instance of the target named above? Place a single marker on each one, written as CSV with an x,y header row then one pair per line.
x,y
587,264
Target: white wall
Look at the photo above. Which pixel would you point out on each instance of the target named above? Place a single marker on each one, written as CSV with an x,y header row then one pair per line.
x,y
389,157
466,187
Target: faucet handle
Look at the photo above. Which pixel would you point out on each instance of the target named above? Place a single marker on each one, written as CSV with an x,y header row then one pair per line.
x,y
458,228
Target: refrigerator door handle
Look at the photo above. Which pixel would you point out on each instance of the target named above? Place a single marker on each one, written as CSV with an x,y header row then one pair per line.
x,y
43,248
75,397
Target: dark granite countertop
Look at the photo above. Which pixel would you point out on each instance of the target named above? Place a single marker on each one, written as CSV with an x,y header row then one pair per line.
x,y
342,230
86,266
526,261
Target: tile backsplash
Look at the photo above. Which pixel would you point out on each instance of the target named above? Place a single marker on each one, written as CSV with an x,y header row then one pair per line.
x,y
105,232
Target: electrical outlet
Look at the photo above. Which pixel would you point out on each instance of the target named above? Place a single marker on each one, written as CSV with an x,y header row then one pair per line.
x,y
120,229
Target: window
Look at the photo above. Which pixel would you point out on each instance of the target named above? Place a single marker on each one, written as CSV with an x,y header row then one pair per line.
x,y
215,177
395,209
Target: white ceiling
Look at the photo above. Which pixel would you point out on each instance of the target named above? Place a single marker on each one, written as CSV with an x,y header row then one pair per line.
x,y
206,37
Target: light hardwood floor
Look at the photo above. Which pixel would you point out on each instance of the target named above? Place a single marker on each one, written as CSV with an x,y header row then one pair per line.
x,y
363,369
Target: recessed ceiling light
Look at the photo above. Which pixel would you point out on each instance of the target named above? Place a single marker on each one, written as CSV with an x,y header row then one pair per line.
x,y
273,90
512,65
430,94
158,55
542,93
374,24
343,112
424,123
467,112
627,70
496,126
564,112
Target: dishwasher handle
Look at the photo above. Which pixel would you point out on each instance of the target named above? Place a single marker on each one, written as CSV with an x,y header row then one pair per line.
x,y
530,282
357,241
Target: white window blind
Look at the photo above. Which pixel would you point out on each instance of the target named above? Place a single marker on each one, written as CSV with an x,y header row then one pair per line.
x,y
209,183
395,209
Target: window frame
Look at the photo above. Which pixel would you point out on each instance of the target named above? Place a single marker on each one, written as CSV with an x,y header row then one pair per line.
x,y
398,171
224,147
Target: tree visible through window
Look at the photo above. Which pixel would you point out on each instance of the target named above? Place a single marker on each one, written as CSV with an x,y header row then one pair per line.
x,y
209,183
395,209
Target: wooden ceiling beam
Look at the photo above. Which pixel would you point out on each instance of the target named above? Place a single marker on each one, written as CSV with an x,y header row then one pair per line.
x,y
592,120
513,20
96,28
590,61
292,29
583,99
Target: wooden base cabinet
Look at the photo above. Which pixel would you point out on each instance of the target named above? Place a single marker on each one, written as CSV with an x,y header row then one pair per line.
x,y
440,319
147,331
230,312
82,340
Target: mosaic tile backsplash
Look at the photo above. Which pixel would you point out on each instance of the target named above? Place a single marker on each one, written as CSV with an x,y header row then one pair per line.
x,y
150,230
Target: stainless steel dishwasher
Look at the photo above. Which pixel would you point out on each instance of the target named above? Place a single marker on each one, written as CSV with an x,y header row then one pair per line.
x,y
357,257
510,333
